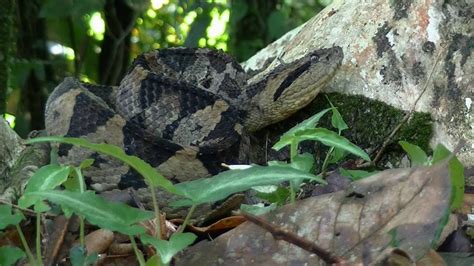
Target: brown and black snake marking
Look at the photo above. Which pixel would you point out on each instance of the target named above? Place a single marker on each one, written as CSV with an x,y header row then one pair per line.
x,y
182,110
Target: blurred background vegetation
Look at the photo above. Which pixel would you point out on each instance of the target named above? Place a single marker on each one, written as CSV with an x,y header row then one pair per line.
x,y
43,41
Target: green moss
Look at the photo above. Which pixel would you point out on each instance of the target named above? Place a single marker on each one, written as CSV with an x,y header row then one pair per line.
x,y
371,122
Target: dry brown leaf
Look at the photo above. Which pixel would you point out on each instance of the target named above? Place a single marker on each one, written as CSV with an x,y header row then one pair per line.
x,y
218,227
399,208
56,240
432,258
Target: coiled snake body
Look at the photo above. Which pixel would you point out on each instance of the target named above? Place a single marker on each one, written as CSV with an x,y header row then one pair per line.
x,y
182,110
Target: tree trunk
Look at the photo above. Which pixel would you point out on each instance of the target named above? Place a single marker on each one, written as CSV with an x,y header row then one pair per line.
x,y
395,52
6,43
114,58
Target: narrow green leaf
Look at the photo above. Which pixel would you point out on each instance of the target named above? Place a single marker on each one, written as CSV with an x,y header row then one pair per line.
x,y
303,162
337,155
207,190
416,154
86,163
153,261
7,218
48,177
113,216
456,173
10,255
337,121
279,196
167,249
356,174
328,138
152,176
306,124
440,153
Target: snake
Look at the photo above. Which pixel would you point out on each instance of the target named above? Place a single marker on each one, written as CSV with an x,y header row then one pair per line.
x,y
182,110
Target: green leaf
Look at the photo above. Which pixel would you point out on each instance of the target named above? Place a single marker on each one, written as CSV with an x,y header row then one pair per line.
x,y
355,174
258,209
456,173
206,190
10,255
416,154
167,249
279,196
328,138
306,124
152,176
48,177
337,155
303,162
86,163
79,257
440,153
113,216
7,218
153,261
336,120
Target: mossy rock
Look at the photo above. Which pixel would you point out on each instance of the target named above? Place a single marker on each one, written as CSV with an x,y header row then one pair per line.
x,y
370,122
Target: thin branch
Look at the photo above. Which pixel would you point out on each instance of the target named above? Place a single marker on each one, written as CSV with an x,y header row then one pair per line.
x,y
26,211
290,237
407,116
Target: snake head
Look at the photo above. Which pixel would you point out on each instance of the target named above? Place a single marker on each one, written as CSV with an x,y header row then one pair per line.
x,y
290,87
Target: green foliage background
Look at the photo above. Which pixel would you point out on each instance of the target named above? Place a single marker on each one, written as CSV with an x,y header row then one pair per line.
x,y
96,40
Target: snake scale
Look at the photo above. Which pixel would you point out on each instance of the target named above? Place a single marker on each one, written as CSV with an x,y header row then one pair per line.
x,y
183,110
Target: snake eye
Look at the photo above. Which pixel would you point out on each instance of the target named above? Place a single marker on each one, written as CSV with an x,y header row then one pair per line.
x,y
314,58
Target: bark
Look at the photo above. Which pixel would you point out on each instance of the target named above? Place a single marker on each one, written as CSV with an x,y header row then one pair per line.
x,y
6,29
17,162
395,51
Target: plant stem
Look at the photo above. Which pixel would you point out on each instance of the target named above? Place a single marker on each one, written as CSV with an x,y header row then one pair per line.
x,y
293,153
326,162
38,239
82,188
138,253
156,208
81,231
186,220
31,258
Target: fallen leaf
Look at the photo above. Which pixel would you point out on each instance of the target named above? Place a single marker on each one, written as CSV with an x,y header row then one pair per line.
x,y
216,228
402,209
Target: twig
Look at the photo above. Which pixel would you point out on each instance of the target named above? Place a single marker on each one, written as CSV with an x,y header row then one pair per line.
x,y
27,211
290,237
407,116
